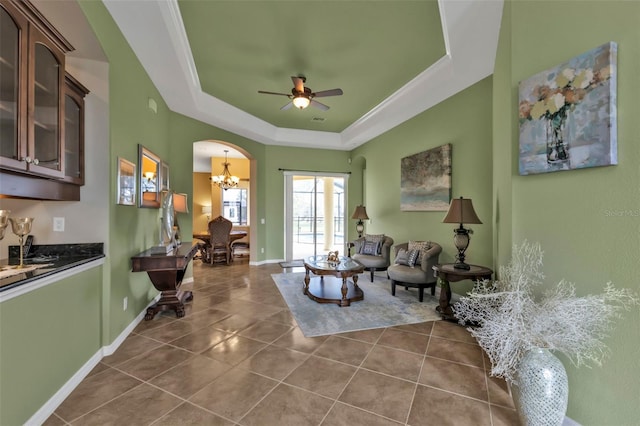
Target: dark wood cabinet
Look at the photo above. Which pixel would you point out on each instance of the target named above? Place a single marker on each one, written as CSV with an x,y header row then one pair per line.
x,y
41,107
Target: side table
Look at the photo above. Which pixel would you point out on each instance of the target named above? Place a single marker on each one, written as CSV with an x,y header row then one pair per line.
x,y
447,273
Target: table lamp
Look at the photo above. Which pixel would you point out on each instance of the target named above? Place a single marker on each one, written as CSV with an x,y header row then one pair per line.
x,y
360,213
461,211
180,205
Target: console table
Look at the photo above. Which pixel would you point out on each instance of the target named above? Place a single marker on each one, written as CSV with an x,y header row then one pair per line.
x,y
447,273
166,272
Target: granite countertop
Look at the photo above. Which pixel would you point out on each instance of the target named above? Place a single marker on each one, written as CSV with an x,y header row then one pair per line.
x,y
45,260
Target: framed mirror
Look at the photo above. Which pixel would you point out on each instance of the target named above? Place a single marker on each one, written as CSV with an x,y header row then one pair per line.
x,y
149,178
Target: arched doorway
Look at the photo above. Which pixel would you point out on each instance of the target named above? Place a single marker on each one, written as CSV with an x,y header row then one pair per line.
x,y
210,201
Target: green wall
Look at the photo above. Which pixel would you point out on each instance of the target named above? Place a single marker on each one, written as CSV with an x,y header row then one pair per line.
x,y
132,229
504,131
279,157
587,220
46,336
464,121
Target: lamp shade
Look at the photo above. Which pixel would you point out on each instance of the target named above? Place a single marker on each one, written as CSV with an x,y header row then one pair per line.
x,y
461,211
360,213
180,203
206,209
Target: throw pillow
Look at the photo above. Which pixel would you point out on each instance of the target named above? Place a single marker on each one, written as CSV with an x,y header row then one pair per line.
x,y
376,238
402,257
413,257
370,248
419,245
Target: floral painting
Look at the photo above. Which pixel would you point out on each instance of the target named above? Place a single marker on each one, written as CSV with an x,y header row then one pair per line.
x,y
425,180
567,114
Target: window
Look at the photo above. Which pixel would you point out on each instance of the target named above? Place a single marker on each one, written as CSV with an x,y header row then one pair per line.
x,y
234,205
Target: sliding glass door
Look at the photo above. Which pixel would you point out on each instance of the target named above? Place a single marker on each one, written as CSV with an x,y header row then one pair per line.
x,y
314,214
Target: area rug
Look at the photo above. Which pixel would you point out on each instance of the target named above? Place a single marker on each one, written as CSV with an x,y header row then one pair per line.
x,y
378,309
292,264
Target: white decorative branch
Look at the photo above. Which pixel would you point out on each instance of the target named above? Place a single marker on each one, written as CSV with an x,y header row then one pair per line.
x,y
508,321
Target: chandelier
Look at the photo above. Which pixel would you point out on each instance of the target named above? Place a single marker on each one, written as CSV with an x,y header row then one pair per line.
x,y
225,180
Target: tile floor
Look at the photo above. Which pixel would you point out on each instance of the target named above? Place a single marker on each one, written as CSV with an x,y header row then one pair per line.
x,y
237,358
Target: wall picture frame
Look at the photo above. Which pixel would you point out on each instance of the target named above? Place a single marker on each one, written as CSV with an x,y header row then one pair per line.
x,y
149,178
425,180
164,176
126,182
567,114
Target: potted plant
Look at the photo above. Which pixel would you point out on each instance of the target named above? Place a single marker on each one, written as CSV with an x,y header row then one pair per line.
x,y
519,332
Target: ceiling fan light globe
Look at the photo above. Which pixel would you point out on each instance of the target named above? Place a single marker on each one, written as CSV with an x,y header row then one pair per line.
x,y
301,102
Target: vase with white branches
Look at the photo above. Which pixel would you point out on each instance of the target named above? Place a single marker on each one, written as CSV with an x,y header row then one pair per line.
x,y
512,326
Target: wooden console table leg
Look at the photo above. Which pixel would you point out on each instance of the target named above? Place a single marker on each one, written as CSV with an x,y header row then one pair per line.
x,y
168,282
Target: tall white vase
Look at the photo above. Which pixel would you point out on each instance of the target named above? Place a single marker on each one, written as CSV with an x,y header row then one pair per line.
x,y
542,389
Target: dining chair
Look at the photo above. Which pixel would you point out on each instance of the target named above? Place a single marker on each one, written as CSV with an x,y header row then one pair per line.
x,y
219,231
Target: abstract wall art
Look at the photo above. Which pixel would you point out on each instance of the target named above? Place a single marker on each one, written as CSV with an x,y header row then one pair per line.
x,y
425,180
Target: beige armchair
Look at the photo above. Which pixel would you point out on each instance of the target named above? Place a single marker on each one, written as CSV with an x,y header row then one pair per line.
x,y
378,261
420,275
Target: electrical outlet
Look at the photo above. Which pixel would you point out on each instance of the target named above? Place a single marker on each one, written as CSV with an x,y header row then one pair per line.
x,y
58,224
262,250
262,221
125,303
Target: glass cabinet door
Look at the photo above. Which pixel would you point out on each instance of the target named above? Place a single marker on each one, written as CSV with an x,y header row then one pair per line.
x,y
46,109
73,130
72,138
11,103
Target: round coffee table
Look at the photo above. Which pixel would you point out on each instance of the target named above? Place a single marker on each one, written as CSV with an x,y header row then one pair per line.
x,y
333,290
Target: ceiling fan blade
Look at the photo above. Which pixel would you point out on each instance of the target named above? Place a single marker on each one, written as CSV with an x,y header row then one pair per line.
x,y
325,93
318,105
286,106
298,82
273,93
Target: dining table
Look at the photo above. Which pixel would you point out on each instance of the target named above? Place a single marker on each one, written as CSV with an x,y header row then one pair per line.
x,y
233,236
204,236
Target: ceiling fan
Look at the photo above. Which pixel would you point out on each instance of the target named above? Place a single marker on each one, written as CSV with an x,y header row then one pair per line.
x,y
301,97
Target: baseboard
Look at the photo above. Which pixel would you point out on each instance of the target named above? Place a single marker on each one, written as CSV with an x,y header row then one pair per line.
x,y
54,402
265,262
40,416
570,422
110,349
